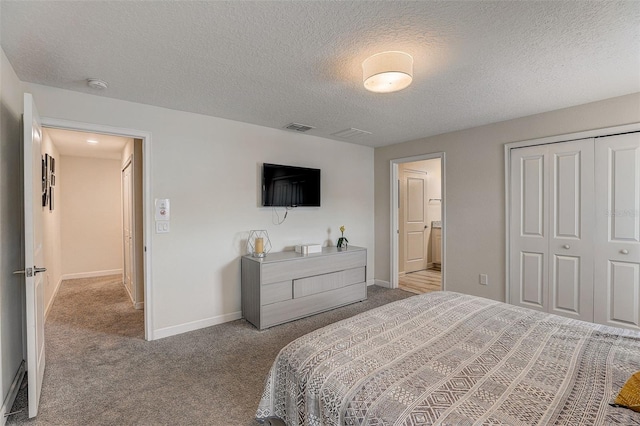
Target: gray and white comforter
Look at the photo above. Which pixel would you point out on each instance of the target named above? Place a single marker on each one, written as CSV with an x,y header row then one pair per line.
x,y
453,359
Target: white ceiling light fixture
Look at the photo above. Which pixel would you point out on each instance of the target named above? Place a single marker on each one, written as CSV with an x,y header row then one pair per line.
x,y
387,72
96,83
92,141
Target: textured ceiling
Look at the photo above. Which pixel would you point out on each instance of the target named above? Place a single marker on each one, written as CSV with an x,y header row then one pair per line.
x,y
273,63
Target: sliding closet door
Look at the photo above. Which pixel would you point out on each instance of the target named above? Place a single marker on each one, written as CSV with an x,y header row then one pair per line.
x,y
529,227
617,267
552,221
571,233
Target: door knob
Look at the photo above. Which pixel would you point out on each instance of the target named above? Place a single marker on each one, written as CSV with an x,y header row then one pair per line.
x,y
566,246
38,270
624,251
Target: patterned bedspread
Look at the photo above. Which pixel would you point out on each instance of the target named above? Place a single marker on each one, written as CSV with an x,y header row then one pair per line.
x,y
453,359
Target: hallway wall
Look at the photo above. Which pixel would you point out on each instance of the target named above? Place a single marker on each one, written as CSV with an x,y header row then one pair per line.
x,y
91,217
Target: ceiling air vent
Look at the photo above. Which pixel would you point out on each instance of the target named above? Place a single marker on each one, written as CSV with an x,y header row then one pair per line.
x,y
297,127
350,133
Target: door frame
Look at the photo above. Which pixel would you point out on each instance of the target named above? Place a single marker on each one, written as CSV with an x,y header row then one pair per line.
x,y
147,201
567,137
395,199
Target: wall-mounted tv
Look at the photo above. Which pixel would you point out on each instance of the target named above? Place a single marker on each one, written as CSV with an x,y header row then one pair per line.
x,y
290,186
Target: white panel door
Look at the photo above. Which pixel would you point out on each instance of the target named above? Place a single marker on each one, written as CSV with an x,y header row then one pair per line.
x,y
529,231
551,235
415,220
571,233
34,253
617,267
127,229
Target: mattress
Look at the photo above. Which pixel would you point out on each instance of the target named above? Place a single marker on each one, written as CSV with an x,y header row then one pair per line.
x,y
453,359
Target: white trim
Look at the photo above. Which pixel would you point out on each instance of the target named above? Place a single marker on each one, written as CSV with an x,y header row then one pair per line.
x,y
91,274
139,305
394,225
371,282
605,131
53,297
196,325
381,283
147,204
12,394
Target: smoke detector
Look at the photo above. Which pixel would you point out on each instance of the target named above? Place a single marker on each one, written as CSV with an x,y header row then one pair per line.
x,y
96,83
297,127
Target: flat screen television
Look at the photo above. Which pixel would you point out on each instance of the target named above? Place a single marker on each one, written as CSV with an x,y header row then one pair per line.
x,y
290,186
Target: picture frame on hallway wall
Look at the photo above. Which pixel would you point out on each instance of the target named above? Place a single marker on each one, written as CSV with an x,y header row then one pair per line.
x,y
45,180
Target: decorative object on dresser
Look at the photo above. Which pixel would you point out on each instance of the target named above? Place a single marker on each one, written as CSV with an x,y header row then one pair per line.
x,y
342,241
308,248
287,285
258,243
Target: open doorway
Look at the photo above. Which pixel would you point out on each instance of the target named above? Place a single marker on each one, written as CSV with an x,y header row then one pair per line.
x,y
93,224
417,223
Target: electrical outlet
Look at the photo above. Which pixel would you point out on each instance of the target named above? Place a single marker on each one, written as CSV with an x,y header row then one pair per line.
x,y
484,279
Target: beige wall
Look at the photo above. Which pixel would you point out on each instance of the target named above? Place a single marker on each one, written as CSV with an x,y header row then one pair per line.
x,y
475,192
90,203
51,223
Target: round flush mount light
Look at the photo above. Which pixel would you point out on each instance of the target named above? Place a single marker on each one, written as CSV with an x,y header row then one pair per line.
x,y
96,83
92,141
387,72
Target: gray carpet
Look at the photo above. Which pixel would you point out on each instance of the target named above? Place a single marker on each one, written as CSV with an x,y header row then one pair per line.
x,y
101,371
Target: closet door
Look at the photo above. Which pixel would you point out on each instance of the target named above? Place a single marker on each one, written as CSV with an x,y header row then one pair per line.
x,y
551,235
571,229
617,267
529,227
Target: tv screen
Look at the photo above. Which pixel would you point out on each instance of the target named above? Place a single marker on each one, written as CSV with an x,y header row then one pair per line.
x,y
289,186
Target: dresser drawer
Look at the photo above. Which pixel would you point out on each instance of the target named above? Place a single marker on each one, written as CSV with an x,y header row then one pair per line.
x,y
275,292
320,283
312,265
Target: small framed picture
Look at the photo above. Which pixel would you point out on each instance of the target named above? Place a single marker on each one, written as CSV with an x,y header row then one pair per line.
x,y
53,180
53,165
50,198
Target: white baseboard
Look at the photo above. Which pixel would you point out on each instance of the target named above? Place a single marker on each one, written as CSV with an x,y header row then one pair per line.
x,y
91,274
195,325
371,282
382,283
139,305
53,297
11,395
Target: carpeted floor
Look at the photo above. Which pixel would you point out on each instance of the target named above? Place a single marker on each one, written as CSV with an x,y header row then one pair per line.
x,y
101,371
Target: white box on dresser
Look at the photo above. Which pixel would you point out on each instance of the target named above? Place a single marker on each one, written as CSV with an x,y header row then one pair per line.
x,y
285,286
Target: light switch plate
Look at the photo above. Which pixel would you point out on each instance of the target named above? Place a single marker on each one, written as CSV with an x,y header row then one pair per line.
x,y
162,227
484,279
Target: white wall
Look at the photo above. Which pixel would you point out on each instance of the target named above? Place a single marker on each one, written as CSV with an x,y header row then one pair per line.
x,y
475,191
91,216
210,170
11,229
51,224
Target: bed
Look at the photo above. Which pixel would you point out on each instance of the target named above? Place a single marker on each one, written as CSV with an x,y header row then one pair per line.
x,y
453,359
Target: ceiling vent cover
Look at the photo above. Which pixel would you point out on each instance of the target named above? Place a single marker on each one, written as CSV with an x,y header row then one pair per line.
x,y
350,133
297,127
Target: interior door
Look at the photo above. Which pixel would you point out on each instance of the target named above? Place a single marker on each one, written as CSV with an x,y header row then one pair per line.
x,y
34,253
415,220
617,267
127,228
571,233
529,225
